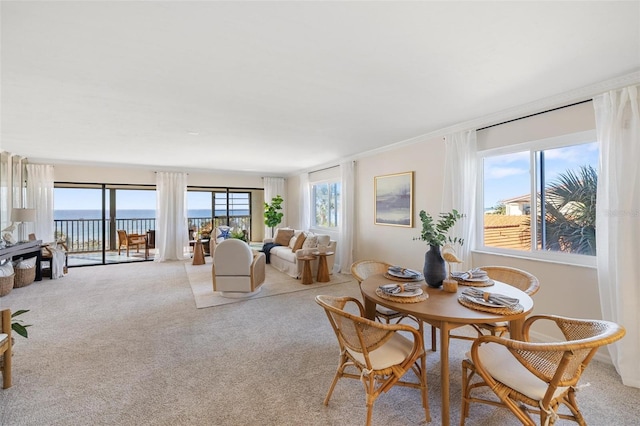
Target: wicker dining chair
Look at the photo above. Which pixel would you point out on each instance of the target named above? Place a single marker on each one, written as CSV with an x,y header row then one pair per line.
x,y
380,353
5,347
518,278
363,269
535,377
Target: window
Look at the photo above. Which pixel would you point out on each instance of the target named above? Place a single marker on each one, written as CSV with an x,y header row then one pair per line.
x,y
325,204
211,207
559,217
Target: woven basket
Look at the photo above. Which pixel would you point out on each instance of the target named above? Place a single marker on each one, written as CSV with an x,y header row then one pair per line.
x,y
24,277
6,284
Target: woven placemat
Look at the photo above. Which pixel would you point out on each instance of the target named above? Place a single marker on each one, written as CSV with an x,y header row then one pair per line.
x,y
465,301
486,283
402,280
399,299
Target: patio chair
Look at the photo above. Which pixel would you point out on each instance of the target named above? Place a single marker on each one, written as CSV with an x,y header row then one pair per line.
x,y
535,377
128,240
363,269
380,353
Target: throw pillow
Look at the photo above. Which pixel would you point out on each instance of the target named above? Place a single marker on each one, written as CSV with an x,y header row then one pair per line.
x,y
26,263
294,239
310,242
299,242
225,232
284,236
6,270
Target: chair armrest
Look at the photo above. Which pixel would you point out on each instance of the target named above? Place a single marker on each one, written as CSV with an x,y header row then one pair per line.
x,y
267,240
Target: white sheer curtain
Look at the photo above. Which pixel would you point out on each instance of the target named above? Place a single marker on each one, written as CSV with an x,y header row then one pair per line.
x,y
305,202
618,223
172,227
347,203
459,192
40,197
275,186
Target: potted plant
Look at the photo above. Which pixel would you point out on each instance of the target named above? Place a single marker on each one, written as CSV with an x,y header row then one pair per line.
x,y
240,234
272,213
435,233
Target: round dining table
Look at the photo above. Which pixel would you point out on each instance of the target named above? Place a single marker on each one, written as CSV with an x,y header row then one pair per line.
x,y
443,310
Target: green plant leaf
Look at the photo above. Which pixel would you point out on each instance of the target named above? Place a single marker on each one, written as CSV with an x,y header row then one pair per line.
x,y
20,329
19,312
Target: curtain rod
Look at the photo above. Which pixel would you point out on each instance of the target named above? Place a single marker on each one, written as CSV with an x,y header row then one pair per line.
x,y
326,168
533,115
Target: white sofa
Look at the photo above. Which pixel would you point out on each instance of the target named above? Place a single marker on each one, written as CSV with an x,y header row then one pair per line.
x,y
285,256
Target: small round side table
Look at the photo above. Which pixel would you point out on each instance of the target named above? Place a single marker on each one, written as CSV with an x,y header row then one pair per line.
x,y
307,276
323,267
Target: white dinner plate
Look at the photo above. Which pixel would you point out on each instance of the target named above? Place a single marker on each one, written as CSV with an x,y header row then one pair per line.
x,y
405,275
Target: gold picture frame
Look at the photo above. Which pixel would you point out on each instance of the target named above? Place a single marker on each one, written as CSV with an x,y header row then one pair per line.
x,y
393,200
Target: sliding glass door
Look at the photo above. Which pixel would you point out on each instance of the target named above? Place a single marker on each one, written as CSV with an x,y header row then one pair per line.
x,y
88,217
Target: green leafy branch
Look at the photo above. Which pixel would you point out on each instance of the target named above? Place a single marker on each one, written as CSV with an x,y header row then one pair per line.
x,y
435,233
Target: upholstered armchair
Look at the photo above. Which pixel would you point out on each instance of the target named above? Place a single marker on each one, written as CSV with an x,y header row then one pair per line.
x,y
237,271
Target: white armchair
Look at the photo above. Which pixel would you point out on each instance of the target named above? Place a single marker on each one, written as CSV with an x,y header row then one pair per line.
x,y
237,271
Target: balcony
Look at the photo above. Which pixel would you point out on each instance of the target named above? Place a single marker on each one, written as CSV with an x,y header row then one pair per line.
x,y
85,238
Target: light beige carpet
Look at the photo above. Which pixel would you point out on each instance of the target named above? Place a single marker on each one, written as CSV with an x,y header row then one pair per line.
x,y
276,282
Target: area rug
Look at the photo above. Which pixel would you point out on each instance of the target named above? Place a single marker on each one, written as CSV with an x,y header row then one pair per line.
x,y
275,283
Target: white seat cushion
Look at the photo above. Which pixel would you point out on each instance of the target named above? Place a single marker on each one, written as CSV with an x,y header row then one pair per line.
x,y
505,368
393,352
385,311
3,337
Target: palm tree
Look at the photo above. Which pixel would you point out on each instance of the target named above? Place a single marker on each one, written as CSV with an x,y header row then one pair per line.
x,y
570,212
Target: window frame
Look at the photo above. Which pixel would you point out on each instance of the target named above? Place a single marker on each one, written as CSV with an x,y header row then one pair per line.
x,y
532,147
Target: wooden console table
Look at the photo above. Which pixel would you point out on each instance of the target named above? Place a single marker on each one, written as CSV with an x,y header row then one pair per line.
x,y
26,250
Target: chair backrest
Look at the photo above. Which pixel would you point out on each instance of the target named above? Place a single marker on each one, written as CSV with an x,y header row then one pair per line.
x,y
564,362
122,237
354,332
518,278
233,257
363,269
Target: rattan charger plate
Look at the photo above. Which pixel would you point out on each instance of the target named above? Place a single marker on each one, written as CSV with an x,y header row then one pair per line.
x,y
465,301
399,299
402,280
486,283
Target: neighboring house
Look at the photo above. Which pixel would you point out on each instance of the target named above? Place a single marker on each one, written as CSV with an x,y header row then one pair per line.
x,y
517,206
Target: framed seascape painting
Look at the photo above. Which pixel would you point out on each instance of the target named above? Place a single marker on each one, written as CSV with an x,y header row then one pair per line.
x,y
394,199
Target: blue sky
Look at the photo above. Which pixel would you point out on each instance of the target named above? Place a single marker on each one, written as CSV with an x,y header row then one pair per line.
x,y
508,176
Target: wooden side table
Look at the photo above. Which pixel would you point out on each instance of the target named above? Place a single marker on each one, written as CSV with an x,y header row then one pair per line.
x,y
323,267
198,253
307,276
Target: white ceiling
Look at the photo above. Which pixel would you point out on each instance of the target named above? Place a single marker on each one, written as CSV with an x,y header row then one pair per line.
x,y
278,87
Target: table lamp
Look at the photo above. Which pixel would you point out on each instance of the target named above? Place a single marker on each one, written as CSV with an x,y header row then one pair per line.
x,y
23,216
